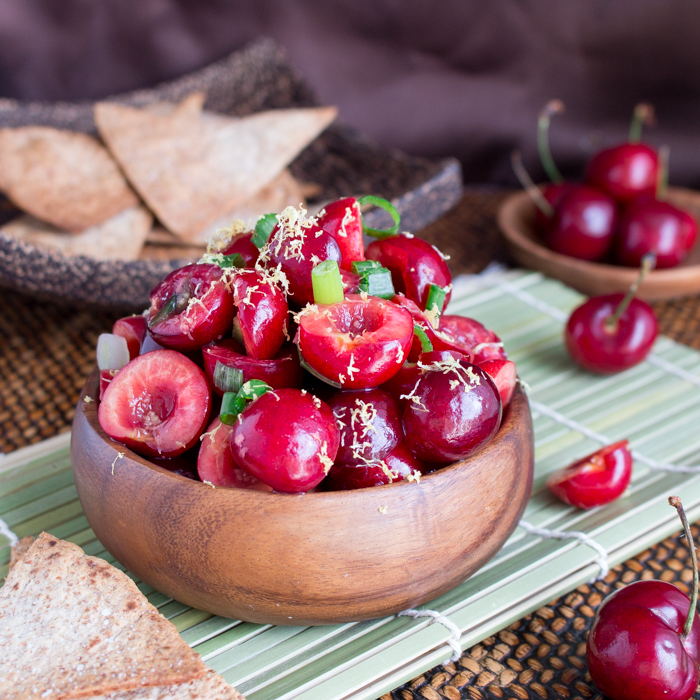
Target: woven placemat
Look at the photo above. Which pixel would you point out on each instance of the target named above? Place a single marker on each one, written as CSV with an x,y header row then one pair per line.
x,y
47,350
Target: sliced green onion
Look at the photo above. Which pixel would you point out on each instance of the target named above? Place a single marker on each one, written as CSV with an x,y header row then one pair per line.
x,y
233,403
425,344
234,260
263,229
317,374
377,283
236,332
388,207
230,407
166,311
227,378
359,267
327,283
436,298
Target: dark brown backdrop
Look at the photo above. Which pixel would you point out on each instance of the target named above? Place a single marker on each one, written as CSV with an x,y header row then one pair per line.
x,y
447,77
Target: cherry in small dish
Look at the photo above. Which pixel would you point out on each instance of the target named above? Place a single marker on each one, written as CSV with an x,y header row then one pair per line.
x,y
596,479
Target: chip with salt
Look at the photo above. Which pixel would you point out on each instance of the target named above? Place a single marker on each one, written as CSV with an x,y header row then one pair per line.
x,y
74,626
65,178
193,169
119,238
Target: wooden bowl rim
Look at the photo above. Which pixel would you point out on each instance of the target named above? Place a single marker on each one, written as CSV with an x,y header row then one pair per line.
x,y
516,204
518,407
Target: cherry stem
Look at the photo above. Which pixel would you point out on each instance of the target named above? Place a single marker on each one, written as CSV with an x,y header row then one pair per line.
x,y
662,176
550,109
529,186
675,501
643,116
648,264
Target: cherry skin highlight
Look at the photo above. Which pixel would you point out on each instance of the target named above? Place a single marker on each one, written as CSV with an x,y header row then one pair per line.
x,y
357,343
287,439
370,425
414,266
191,307
596,479
653,226
599,349
157,405
624,172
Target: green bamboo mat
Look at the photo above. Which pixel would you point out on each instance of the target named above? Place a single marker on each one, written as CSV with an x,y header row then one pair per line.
x,y
656,405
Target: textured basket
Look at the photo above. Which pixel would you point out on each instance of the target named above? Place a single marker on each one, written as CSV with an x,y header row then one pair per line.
x,y
251,80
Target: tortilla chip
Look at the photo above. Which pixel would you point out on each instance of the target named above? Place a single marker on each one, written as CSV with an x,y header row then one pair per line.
x,y
282,192
119,238
211,687
19,550
192,170
74,626
66,178
165,253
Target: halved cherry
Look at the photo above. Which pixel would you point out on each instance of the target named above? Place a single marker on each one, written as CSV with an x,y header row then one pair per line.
x,y
106,376
215,463
282,371
133,330
504,376
454,410
357,343
242,244
262,313
369,423
296,245
191,307
287,439
470,337
157,405
596,479
398,465
414,266
342,219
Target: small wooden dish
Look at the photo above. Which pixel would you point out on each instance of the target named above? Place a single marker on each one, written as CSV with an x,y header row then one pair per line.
x,y
516,220
315,558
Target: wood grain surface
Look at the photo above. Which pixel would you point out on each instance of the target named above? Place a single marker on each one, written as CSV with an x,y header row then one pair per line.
x,y
516,220
315,558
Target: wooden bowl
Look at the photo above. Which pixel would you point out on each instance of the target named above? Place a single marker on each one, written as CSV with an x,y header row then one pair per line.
x,y
315,558
516,220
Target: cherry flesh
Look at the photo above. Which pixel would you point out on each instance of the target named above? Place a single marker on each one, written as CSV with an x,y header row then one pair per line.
x,y
281,371
453,412
190,307
287,439
398,465
106,376
599,348
469,337
133,330
357,343
157,405
262,313
244,246
653,226
624,172
414,266
215,463
583,224
504,376
369,423
596,479
342,220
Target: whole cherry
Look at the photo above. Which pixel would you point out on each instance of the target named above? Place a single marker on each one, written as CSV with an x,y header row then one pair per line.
x,y
611,333
645,638
596,479
629,170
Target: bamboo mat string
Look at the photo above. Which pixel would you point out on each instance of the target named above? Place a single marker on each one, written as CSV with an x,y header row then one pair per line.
x,y
5,530
601,559
452,641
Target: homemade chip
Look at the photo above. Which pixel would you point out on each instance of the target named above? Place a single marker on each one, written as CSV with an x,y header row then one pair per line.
x,y
119,238
66,178
192,169
74,626
211,687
